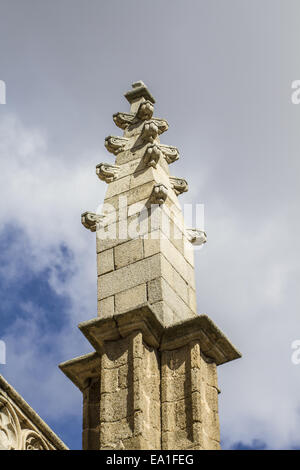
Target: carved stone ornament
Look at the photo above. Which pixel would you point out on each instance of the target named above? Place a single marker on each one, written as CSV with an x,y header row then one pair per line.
x,y
114,144
12,436
159,194
31,440
179,185
197,237
171,153
145,111
152,155
10,429
149,132
21,428
139,90
90,220
123,120
107,172
162,125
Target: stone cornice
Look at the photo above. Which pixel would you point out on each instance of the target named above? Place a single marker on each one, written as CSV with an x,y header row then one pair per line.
x,y
81,369
142,318
213,343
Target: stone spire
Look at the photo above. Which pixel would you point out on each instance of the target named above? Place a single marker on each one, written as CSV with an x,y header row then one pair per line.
x,y
151,383
144,251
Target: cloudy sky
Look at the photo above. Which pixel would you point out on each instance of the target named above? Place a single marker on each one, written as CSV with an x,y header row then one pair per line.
x,y
221,73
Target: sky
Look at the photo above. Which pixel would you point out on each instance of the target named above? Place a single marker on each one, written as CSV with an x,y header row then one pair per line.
x,y
221,73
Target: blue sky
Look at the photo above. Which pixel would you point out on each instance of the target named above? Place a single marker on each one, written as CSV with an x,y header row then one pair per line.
x,y
221,73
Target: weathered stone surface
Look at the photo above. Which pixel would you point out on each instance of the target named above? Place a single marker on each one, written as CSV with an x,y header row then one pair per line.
x,y
128,253
130,298
164,313
160,290
91,413
119,186
106,307
186,415
131,411
157,242
90,439
155,382
138,193
105,262
129,276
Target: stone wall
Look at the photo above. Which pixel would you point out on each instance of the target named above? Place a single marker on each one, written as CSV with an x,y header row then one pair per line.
x,y
189,400
122,407
150,387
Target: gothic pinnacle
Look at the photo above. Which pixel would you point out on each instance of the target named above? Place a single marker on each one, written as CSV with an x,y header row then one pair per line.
x,y
151,382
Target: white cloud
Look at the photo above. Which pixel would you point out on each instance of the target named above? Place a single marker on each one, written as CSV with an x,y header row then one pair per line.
x,y
31,363
42,198
247,278
249,291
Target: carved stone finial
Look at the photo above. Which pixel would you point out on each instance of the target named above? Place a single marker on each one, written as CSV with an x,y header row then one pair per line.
x,y
138,84
152,155
107,172
139,90
179,185
146,286
114,144
159,194
90,220
196,236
